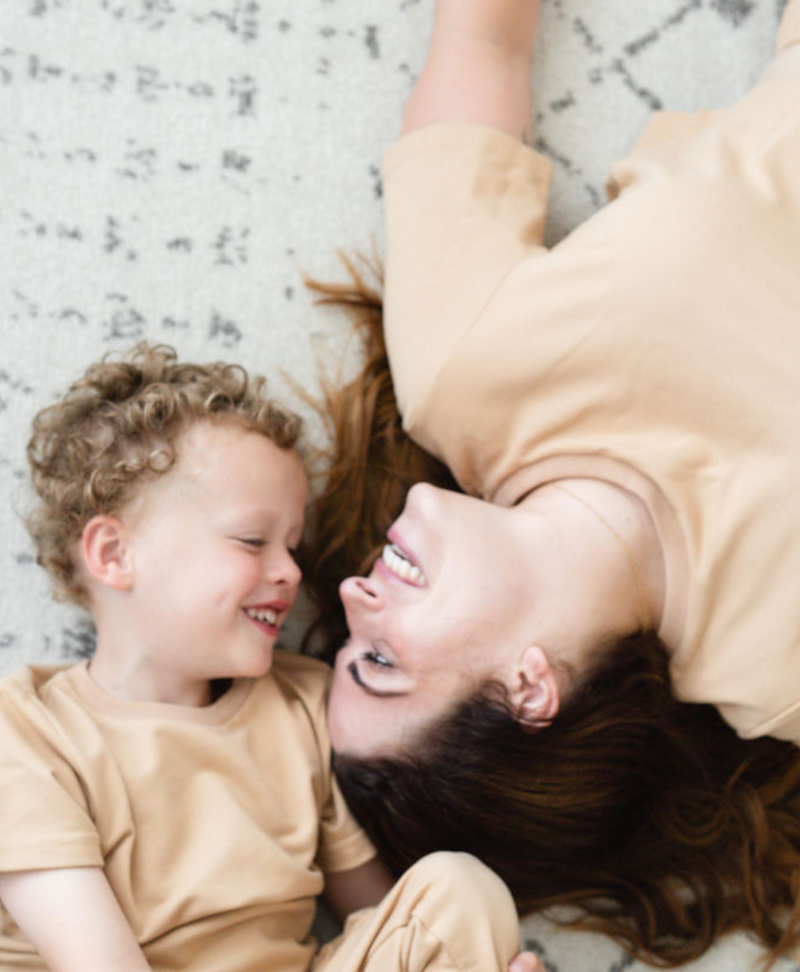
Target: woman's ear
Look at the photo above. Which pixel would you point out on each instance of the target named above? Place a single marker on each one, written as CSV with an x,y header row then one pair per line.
x,y
104,545
533,693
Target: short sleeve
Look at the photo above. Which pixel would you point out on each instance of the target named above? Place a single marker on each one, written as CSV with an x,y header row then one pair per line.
x,y
343,844
465,204
44,819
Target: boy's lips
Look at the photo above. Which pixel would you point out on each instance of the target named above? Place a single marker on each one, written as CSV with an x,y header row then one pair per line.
x,y
268,615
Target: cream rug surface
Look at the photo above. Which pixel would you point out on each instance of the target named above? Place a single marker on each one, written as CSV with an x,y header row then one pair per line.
x,y
170,168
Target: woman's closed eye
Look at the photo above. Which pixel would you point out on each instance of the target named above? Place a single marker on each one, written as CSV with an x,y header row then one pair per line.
x,y
375,662
375,658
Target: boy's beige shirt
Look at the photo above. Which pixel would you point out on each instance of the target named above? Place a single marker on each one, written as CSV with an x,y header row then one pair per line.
x,y
656,347
213,824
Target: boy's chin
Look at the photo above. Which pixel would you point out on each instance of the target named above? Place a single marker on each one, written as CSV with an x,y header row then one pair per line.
x,y
258,666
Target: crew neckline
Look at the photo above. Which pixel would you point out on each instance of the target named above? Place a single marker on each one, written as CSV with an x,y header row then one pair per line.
x,y
99,699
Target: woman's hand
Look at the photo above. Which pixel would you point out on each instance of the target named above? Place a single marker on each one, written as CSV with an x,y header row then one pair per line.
x,y
360,887
526,962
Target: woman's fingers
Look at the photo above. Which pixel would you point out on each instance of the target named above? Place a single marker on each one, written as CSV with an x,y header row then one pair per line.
x,y
526,962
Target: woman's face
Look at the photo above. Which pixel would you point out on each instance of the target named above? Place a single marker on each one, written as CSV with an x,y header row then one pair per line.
x,y
438,615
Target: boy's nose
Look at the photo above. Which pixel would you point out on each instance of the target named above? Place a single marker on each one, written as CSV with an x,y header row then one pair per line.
x,y
284,571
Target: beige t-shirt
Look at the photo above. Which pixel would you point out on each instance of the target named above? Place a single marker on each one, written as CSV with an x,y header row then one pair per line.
x,y
213,824
656,347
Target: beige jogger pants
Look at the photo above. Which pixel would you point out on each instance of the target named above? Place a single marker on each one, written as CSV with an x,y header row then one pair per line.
x,y
448,912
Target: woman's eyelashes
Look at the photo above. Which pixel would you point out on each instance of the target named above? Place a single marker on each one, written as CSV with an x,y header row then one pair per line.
x,y
366,670
375,658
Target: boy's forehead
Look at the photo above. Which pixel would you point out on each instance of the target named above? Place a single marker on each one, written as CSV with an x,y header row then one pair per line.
x,y
208,446
204,444
226,462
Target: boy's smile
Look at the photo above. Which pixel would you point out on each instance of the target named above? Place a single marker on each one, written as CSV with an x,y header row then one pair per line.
x,y
266,616
207,548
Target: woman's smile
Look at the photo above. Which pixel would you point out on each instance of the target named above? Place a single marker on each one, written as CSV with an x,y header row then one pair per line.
x,y
394,560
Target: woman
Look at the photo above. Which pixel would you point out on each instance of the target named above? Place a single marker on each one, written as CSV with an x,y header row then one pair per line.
x,y
626,403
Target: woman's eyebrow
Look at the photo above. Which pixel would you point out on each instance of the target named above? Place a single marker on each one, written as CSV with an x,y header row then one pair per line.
x,y
353,669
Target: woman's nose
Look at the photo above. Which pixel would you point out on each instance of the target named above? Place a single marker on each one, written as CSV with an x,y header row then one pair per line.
x,y
425,498
360,591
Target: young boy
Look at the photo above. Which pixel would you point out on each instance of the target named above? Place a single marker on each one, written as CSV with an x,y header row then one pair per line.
x,y
170,803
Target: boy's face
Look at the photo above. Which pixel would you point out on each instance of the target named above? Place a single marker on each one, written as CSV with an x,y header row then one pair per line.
x,y
211,543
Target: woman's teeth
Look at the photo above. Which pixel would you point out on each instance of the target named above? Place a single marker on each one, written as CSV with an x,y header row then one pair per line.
x,y
265,615
397,563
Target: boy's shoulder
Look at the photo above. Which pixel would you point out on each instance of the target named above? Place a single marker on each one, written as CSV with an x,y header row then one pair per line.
x,y
31,683
301,677
290,702
32,710
307,674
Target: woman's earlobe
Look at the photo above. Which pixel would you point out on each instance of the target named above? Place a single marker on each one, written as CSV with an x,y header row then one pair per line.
x,y
534,694
105,552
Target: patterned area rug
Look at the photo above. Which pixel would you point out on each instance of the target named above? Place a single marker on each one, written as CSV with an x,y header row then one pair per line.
x,y
171,168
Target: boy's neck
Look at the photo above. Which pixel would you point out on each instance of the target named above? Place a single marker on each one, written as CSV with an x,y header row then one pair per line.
x,y
127,678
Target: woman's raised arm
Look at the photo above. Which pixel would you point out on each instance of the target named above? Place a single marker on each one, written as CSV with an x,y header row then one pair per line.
x,y
478,66
465,199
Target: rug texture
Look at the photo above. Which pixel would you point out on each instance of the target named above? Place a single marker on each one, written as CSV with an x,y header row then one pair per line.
x,y
171,168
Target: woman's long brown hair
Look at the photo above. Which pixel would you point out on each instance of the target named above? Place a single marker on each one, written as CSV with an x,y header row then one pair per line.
x,y
371,462
649,815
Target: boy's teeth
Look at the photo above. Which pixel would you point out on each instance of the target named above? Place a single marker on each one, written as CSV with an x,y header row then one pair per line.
x,y
397,563
265,615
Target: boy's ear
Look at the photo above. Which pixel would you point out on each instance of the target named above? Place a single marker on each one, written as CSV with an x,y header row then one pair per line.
x,y
533,693
104,545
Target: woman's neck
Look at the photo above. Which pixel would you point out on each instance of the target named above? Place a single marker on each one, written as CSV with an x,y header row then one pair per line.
x,y
612,545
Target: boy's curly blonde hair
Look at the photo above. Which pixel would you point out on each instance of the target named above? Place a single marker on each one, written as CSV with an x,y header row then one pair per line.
x,y
119,425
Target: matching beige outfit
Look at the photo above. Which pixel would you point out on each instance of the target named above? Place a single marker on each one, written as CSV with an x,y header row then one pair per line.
x,y
657,347
214,826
